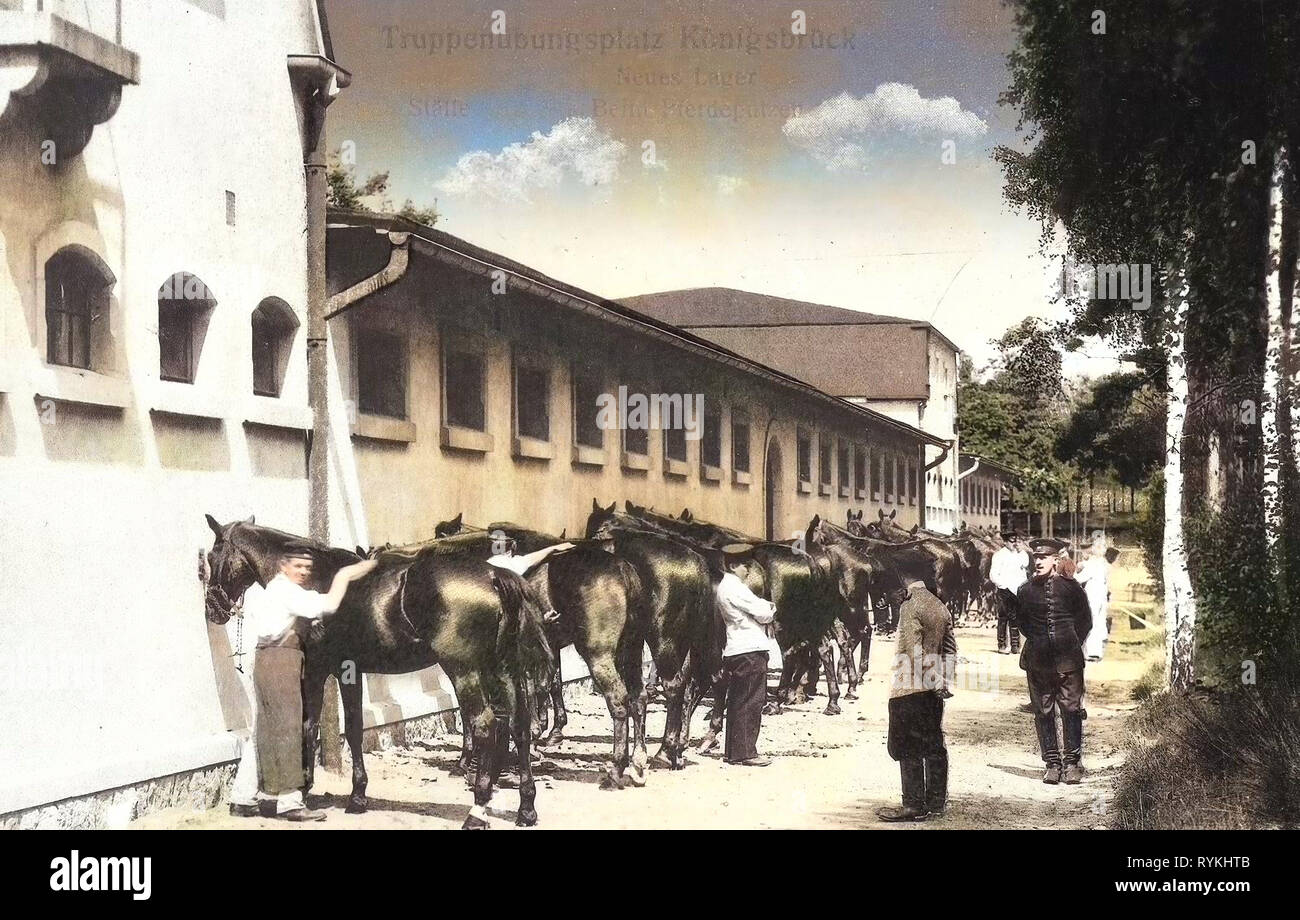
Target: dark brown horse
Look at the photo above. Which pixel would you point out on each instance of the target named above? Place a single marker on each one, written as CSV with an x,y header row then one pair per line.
x,y
797,579
482,625
682,625
601,610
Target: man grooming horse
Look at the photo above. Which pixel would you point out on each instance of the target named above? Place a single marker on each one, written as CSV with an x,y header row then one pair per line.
x,y
269,778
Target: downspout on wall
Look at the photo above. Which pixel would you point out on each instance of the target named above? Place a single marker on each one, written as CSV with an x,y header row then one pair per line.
x,y
318,81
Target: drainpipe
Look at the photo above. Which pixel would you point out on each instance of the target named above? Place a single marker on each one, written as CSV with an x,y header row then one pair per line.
x,y
318,80
943,455
963,475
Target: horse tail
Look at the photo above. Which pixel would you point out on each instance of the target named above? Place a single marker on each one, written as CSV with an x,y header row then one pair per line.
x,y
521,638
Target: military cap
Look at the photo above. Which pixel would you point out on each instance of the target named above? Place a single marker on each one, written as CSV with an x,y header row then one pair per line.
x,y
298,549
1046,546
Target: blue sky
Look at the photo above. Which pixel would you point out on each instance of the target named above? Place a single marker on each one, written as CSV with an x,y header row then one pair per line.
x,y
817,174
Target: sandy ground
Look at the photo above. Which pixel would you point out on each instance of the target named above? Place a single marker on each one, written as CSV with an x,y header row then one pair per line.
x,y
828,771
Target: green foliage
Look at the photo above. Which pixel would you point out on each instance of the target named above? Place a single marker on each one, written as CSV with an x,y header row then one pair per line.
x,y
1116,428
1230,760
1014,418
1149,530
372,195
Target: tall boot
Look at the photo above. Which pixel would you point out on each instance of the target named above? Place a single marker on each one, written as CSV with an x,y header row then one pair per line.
x,y
1045,725
913,775
936,784
1072,727
1002,632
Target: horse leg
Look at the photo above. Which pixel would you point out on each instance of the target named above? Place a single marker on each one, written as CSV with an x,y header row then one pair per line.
x,y
350,690
716,713
791,670
487,747
466,761
522,724
850,672
826,651
313,699
634,681
865,654
672,678
605,676
560,716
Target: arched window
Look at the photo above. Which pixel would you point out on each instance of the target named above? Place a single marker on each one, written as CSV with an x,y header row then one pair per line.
x,y
274,328
185,305
77,287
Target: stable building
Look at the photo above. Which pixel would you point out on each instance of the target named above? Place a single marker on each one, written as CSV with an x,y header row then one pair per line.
x,y
901,368
985,486
475,386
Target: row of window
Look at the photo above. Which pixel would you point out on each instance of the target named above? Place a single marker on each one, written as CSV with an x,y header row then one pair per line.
x,y
77,304
381,381
980,497
892,474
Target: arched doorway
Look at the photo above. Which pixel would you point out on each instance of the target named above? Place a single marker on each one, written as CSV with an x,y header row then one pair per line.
x,y
772,489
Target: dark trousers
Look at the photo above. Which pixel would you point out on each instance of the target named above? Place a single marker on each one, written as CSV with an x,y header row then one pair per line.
x,y
277,686
916,741
746,689
1006,602
1051,692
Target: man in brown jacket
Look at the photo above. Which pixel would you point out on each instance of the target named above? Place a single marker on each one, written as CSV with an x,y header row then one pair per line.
x,y
922,679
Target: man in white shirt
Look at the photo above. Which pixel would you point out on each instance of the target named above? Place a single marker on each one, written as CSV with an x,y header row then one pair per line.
x,y
1008,570
269,778
1094,575
744,661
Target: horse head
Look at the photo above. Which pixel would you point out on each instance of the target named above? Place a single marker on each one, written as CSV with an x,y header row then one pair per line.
x,y
449,528
229,571
602,521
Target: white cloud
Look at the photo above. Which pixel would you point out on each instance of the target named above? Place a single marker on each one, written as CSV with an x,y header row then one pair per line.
x,y
575,146
840,131
729,185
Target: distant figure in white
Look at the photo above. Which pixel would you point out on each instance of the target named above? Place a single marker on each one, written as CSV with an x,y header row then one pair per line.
x,y
1094,575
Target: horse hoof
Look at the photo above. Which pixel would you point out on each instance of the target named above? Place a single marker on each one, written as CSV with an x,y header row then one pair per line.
x,y
526,818
474,823
356,805
707,743
636,776
832,709
850,695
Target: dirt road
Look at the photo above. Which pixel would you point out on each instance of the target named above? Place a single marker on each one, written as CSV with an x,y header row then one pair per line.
x,y
829,771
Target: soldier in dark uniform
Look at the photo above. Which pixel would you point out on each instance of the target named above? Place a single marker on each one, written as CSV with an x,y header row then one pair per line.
x,y
1053,614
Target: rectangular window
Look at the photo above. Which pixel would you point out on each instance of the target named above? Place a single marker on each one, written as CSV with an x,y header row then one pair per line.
x,y
860,470
711,437
824,459
739,442
674,442
891,476
909,471
587,390
464,373
532,399
381,372
844,468
877,475
175,341
636,440
269,341
804,456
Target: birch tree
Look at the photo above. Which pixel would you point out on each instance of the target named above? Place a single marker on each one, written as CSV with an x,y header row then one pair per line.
x,y
1180,599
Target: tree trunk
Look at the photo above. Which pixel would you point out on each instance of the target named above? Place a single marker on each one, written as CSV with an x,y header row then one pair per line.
x,y
1277,414
1180,601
